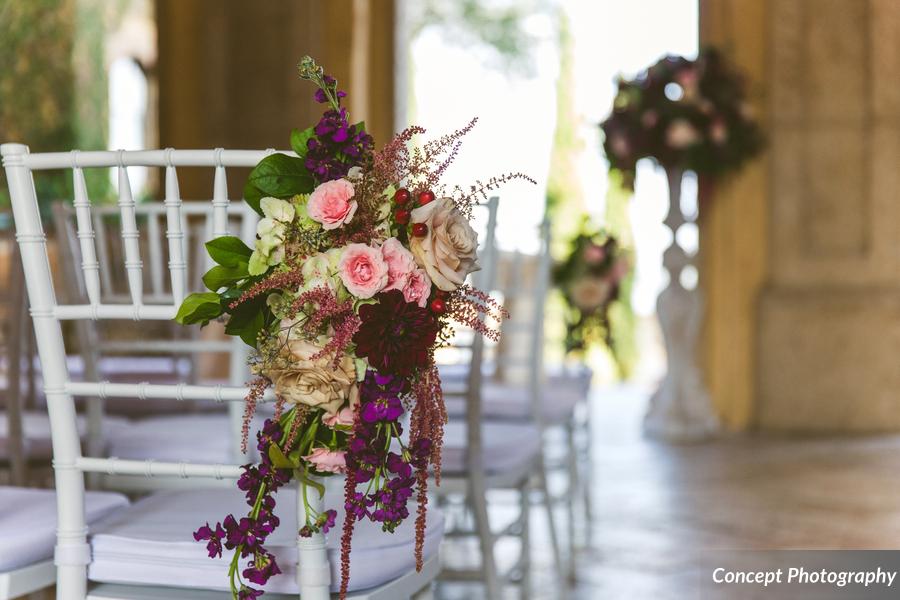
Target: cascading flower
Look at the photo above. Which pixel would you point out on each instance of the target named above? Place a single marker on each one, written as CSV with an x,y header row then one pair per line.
x,y
351,285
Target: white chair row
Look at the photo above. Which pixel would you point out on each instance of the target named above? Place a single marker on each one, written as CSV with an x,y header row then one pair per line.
x,y
96,565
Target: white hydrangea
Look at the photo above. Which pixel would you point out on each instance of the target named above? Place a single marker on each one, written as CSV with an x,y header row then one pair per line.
x,y
272,231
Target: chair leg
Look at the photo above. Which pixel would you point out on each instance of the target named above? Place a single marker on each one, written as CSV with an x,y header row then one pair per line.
x,y
525,559
574,491
587,478
478,499
551,521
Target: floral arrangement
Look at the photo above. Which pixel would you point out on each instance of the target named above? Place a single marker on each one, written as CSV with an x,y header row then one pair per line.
x,y
689,114
356,277
590,279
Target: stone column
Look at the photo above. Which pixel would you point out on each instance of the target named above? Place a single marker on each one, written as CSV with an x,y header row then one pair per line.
x,y
829,319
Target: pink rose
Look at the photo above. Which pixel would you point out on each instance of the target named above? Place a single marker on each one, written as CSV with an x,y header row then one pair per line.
x,y
418,287
363,270
400,263
331,204
594,254
326,461
342,417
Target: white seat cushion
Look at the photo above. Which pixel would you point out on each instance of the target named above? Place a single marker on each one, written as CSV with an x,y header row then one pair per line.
x,y
36,433
151,543
28,522
500,401
507,446
198,438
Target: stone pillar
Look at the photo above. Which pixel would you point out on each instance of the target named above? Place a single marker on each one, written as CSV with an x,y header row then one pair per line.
x,y
734,225
829,320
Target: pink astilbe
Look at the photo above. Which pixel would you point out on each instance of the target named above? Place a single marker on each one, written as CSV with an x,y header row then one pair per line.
x,y
256,392
478,192
473,308
282,280
427,423
327,310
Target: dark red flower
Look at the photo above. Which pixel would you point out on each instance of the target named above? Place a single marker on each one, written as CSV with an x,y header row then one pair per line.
x,y
395,335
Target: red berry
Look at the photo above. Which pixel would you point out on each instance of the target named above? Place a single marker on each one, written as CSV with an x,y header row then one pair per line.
x,y
419,229
438,306
401,196
402,216
440,294
425,197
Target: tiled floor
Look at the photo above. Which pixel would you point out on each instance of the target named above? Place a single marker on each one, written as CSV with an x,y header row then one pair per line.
x,y
661,510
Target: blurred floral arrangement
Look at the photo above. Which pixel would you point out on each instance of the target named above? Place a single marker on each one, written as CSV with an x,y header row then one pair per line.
x,y
356,277
689,114
590,279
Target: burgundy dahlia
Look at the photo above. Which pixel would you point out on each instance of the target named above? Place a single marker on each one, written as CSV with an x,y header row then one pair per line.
x,y
395,335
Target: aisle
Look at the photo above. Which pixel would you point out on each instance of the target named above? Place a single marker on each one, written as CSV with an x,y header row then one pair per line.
x,y
659,507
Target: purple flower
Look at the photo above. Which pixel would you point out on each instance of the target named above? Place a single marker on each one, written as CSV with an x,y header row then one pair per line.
x,y
382,409
336,146
262,567
215,537
327,520
247,593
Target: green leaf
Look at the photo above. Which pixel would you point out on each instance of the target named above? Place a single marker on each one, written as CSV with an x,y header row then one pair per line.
x,y
199,308
219,277
228,251
279,460
309,481
280,176
361,126
252,196
299,139
247,320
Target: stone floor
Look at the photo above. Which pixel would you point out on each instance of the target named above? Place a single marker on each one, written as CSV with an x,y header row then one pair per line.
x,y
661,511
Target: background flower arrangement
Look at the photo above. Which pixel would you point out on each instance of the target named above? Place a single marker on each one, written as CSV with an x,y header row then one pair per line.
x,y
590,279
356,277
688,114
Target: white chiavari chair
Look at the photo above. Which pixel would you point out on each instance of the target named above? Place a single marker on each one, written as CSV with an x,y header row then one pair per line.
x,y
518,387
174,341
155,532
483,455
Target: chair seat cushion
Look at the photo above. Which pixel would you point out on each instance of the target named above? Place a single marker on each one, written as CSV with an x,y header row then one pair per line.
x,y
37,445
501,401
197,438
151,542
507,446
28,522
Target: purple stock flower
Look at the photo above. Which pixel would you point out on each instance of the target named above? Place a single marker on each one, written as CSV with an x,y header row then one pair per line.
x,y
262,567
382,409
336,146
214,537
327,520
247,593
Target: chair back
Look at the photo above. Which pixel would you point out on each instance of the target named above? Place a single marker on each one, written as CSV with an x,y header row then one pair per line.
x,y
523,280
73,553
474,343
197,222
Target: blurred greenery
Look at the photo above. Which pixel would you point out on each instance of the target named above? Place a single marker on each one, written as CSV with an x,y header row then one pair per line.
x,y
622,320
53,85
491,24
565,196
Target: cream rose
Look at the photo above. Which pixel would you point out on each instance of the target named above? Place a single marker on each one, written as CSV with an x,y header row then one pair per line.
x,y
448,251
316,383
590,293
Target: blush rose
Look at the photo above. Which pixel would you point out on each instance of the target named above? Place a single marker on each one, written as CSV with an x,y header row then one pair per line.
x,y
363,270
332,204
